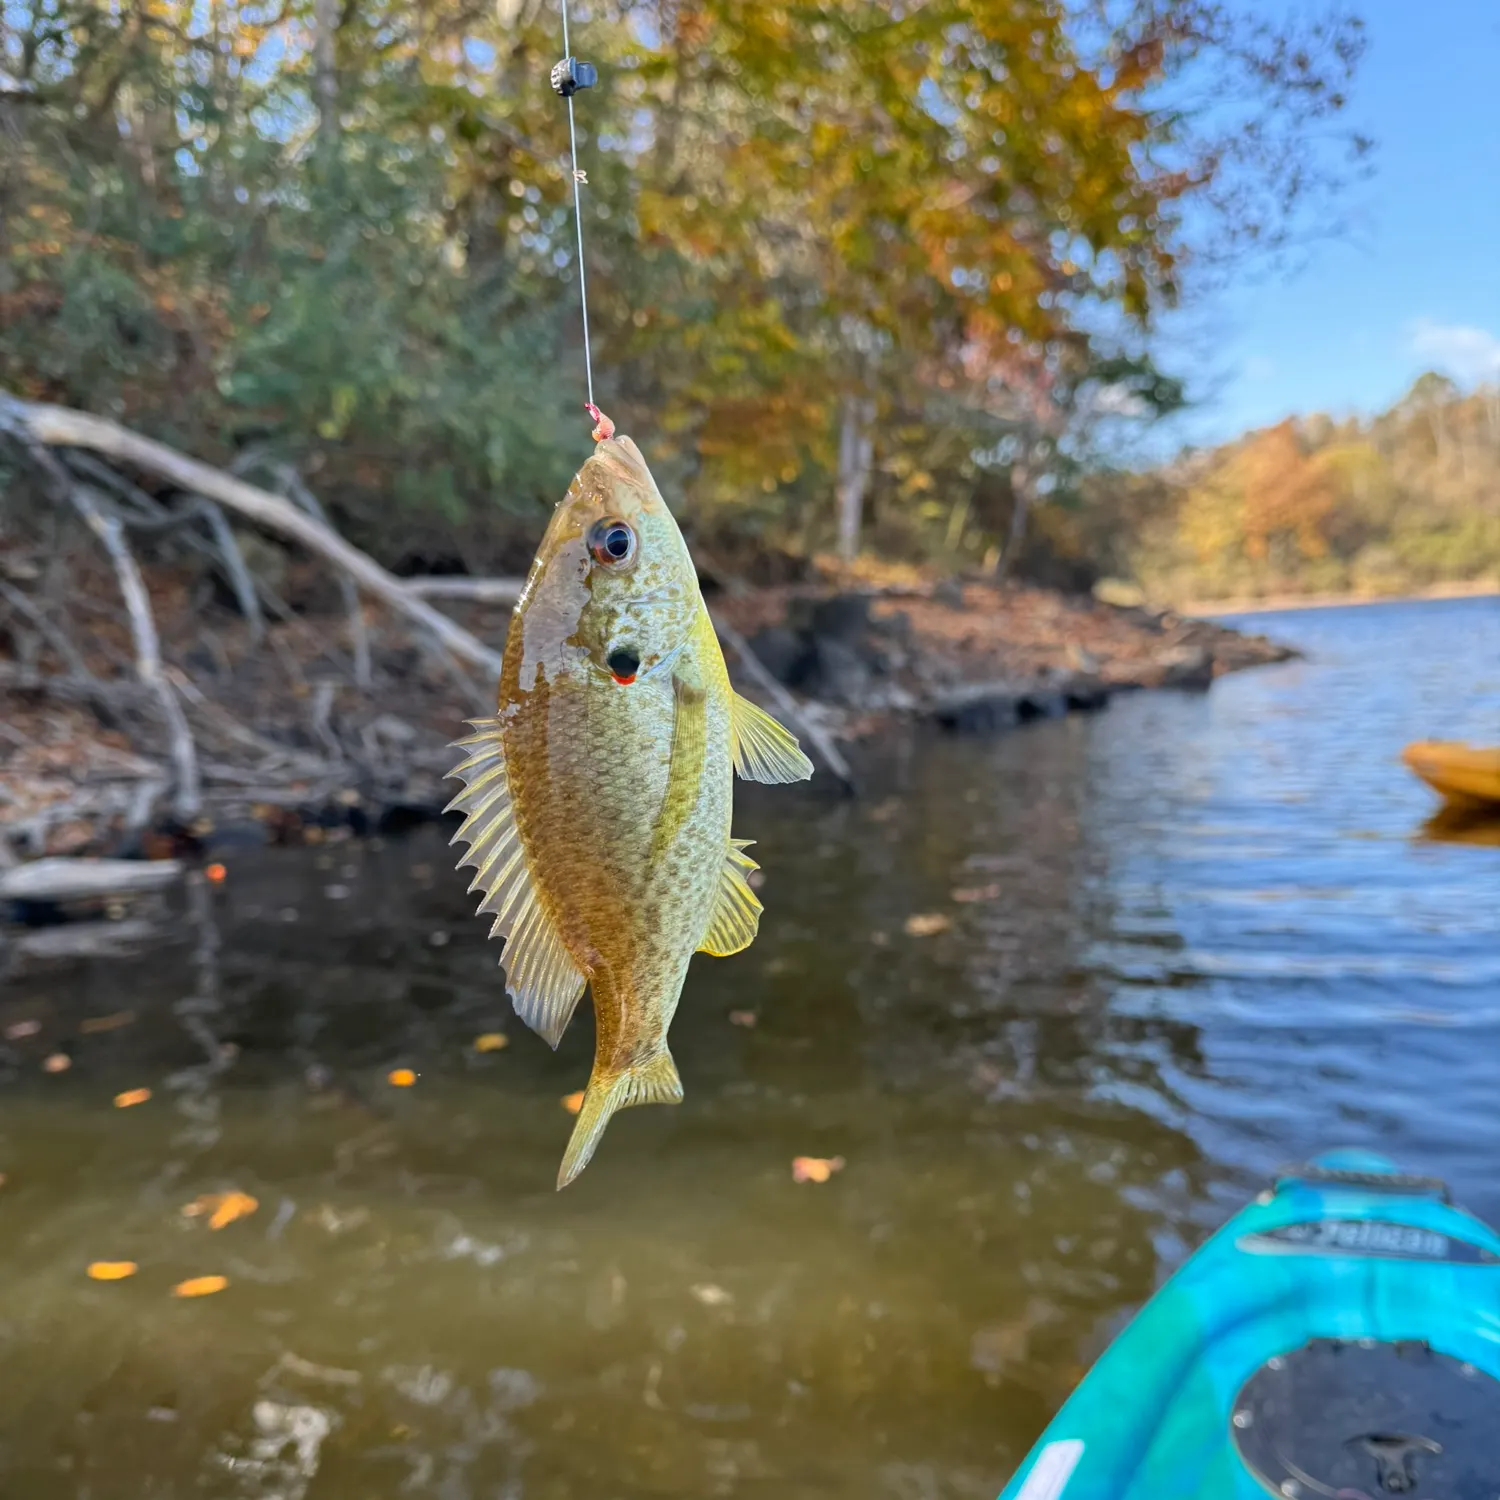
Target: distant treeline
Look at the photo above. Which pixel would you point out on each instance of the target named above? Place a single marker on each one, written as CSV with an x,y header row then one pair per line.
x,y
1405,500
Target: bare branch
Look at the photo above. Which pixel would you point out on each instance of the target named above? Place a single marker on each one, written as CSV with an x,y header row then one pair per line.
x,y
63,427
480,590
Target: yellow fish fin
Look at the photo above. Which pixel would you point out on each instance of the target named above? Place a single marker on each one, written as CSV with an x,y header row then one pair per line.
x,y
737,909
653,1081
541,977
765,750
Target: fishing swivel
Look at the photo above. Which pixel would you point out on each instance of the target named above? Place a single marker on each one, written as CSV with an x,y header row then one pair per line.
x,y
570,75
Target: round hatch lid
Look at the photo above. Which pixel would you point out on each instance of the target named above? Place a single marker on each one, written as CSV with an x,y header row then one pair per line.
x,y
1359,1420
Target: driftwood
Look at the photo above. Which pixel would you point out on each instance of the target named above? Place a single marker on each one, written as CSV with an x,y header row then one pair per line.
x,y
59,426
478,590
79,879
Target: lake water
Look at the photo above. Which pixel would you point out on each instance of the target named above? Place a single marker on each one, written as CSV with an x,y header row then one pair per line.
x,y
1206,935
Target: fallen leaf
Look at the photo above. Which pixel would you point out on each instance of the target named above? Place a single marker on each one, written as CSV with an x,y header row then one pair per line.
x,y
215,874
19,1029
742,1018
106,1023
710,1295
971,893
491,1041
222,1208
131,1096
401,1078
112,1270
573,1102
815,1168
59,1062
200,1286
927,924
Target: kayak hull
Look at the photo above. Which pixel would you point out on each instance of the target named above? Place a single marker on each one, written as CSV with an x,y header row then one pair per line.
x,y
1347,1255
1465,776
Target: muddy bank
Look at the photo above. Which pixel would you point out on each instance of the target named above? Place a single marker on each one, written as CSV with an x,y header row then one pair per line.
x,y
294,750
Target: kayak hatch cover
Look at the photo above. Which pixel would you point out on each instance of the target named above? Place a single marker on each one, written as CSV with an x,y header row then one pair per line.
x,y
1338,1339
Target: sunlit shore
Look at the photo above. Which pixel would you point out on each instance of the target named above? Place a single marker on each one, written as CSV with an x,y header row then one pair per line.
x,y
1201,608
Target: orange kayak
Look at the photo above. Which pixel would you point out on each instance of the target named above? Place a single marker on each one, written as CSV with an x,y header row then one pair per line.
x,y
1467,775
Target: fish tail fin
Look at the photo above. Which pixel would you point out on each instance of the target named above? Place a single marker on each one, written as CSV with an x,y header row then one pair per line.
x,y
653,1081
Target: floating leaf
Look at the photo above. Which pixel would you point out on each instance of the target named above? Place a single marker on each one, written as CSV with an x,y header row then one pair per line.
x,y
710,1295
59,1062
19,1029
401,1078
131,1096
927,924
200,1286
815,1168
112,1270
491,1041
573,1102
976,893
106,1023
743,1018
222,1208
215,874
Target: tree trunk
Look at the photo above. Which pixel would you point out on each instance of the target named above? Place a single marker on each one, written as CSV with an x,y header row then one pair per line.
x,y
1020,511
325,73
856,452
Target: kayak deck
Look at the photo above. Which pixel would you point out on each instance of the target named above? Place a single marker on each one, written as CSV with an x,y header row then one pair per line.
x,y
1309,1340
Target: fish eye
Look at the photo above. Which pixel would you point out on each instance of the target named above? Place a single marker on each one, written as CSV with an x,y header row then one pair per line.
x,y
612,543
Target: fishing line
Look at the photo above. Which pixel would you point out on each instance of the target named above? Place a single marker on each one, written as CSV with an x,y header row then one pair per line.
x,y
568,77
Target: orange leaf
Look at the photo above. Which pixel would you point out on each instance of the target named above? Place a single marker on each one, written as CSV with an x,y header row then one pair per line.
x,y
927,924
742,1018
976,893
200,1286
815,1168
112,1270
222,1208
106,1023
59,1062
131,1096
214,873
573,1102
491,1041
401,1078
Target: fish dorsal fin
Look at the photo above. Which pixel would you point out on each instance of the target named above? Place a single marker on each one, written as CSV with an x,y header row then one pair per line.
x,y
736,916
541,978
765,750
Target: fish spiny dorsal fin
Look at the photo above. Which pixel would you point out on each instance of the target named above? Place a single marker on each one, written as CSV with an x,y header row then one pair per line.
x,y
541,978
737,909
765,750
653,1081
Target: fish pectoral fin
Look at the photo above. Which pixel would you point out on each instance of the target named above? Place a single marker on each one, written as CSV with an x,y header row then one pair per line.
x,y
654,1081
737,909
765,749
542,979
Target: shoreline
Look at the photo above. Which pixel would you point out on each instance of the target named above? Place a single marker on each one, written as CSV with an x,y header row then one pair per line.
x,y
1277,603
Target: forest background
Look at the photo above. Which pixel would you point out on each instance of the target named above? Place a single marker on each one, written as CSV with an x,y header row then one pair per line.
x,y
862,276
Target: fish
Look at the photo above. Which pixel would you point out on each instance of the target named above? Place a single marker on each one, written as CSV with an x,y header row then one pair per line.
x,y
598,800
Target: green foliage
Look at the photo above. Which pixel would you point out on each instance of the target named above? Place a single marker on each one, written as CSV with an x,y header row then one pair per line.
x,y
965,212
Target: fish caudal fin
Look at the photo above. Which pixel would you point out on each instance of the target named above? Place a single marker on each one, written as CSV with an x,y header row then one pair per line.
x,y
654,1081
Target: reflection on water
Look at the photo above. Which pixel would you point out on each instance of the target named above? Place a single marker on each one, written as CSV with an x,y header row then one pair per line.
x,y
1195,937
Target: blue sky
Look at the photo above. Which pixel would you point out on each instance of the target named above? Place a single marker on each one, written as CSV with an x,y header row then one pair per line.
x,y
1414,284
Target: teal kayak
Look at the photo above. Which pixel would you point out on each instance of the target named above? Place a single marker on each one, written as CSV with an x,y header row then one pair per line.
x,y
1338,1338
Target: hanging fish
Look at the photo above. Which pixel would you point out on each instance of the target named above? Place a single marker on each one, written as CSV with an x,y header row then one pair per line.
x,y
598,798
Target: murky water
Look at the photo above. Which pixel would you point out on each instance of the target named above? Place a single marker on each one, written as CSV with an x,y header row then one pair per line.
x,y
1204,936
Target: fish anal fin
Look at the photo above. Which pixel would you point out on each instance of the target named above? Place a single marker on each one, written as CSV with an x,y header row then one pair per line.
x,y
765,749
542,979
651,1081
737,909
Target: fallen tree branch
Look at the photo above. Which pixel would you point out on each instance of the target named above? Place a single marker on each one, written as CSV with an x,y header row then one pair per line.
x,y
46,629
187,799
480,590
59,426
756,670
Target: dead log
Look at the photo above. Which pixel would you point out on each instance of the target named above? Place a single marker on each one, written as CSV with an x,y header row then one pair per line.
x,y
479,590
59,426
